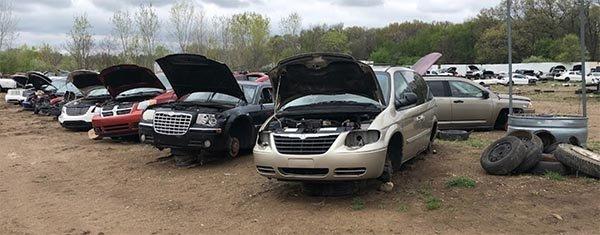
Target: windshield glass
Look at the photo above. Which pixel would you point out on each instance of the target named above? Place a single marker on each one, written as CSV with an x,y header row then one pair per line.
x,y
329,99
138,91
384,82
68,87
213,97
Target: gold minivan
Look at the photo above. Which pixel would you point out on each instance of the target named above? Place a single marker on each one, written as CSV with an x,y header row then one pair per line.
x,y
339,119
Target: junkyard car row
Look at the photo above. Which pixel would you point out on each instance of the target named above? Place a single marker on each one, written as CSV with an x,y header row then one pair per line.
x,y
314,117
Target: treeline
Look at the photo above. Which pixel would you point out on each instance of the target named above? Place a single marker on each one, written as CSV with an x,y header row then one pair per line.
x,y
543,30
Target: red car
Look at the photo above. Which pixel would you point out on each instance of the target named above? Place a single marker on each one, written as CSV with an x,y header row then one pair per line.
x,y
133,89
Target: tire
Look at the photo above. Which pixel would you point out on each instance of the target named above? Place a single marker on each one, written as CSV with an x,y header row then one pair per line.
x,y
501,121
580,159
567,79
551,148
233,147
503,156
453,135
549,166
534,145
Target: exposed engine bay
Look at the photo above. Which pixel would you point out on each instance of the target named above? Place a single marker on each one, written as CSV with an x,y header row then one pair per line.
x,y
320,123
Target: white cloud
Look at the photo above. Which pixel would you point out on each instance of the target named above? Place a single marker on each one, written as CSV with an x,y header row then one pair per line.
x,y
49,20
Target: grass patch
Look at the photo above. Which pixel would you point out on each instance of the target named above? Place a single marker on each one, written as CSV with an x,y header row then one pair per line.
x,y
461,182
432,203
402,208
358,204
551,175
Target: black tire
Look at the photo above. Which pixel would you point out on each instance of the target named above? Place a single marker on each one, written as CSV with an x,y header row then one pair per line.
x,y
453,135
551,148
578,158
534,145
549,166
567,79
503,156
502,120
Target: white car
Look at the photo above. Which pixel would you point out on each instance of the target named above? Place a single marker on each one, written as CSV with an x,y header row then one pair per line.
x,y
7,83
569,76
77,114
593,78
518,79
487,82
15,96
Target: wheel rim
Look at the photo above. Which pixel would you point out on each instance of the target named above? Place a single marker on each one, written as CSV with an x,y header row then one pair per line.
x,y
500,151
234,146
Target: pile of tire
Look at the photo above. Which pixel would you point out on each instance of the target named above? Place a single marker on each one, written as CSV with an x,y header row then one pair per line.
x,y
523,152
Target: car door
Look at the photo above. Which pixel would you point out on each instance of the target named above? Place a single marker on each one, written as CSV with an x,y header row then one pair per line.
x,y
470,106
265,102
441,93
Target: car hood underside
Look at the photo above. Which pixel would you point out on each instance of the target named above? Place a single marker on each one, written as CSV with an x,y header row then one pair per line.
x,y
189,73
85,80
323,73
38,80
120,78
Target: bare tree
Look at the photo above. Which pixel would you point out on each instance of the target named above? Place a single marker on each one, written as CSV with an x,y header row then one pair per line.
x,y
81,42
8,24
50,57
148,29
184,22
124,31
291,25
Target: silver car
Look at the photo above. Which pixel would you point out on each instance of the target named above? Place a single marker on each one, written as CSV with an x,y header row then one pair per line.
x,y
339,119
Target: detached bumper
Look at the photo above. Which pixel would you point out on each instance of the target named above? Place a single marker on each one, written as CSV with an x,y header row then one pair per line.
x,y
208,139
330,166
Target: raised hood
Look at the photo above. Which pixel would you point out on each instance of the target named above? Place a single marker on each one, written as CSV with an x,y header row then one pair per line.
x,y
20,79
85,80
38,80
120,78
423,64
189,73
323,73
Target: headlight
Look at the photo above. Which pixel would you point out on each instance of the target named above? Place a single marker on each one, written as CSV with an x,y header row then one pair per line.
x,y
361,138
148,115
64,109
206,119
529,105
144,104
264,138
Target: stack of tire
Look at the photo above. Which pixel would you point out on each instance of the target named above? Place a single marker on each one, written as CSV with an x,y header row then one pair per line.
x,y
523,152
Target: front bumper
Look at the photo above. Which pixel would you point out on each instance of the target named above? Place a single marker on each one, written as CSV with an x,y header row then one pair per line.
x,y
119,125
337,164
193,140
14,99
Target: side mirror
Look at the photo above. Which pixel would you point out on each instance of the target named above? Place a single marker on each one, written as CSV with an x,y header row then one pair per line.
x,y
485,95
407,99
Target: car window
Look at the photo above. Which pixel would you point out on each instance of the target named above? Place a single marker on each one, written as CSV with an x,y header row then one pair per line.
x,y
249,91
437,88
400,85
266,95
466,90
417,85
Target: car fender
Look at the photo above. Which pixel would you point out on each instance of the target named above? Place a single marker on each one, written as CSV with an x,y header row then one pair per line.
x,y
235,116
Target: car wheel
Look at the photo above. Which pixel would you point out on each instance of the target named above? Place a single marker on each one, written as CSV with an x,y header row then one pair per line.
x,y
503,156
233,147
567,79
548,164
534,146
579,159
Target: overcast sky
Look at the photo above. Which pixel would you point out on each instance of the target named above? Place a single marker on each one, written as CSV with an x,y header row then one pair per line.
x,y
48,20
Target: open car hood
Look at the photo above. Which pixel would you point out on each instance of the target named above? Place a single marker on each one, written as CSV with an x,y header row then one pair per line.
x,y
38,80
423,64
323,73
20,79
120,78
85,80
189,73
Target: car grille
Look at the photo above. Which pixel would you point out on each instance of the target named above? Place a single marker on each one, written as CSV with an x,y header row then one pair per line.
x,y
76,111
14,92
172,123
308,145
113,112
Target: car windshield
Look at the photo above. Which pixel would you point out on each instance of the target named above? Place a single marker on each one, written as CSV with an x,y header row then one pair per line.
x,y
139,91
98,92
330,99
214,97
68,87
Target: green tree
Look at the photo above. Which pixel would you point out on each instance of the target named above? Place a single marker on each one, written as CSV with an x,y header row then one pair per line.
x,y
492,46
335,41
568,49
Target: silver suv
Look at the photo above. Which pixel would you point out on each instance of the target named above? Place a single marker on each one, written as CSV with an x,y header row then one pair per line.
x,y
339,119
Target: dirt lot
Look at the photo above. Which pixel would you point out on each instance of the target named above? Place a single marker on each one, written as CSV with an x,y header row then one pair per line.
x,y
57,181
